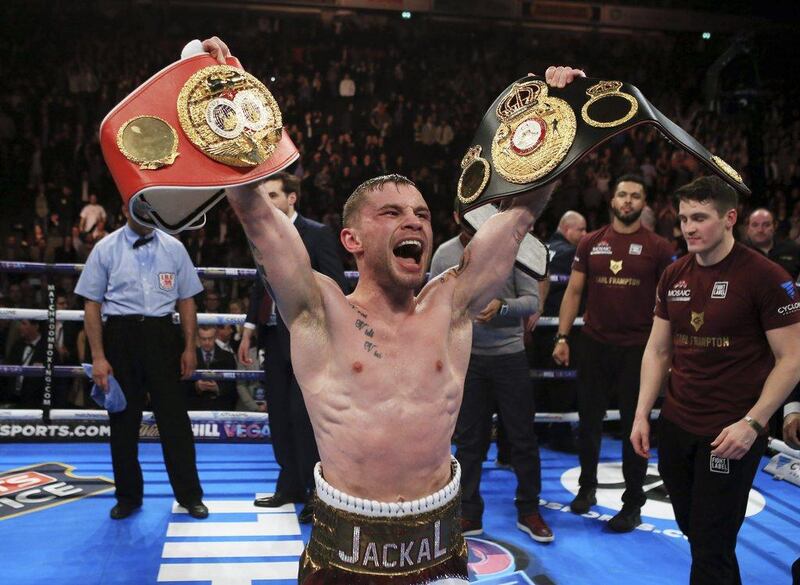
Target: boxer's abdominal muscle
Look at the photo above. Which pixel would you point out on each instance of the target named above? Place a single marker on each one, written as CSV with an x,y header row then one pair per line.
x,y
384,397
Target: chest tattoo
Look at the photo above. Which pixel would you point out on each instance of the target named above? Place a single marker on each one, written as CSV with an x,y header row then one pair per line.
x,y
365,328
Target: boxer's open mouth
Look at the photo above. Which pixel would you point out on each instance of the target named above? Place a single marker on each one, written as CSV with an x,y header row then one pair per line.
x,y
411,249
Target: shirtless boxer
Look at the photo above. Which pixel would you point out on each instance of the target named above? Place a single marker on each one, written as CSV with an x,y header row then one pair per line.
x,y
382,371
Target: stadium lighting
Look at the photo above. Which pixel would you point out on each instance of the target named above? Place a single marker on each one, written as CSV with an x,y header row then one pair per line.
x,y
706,36
406,14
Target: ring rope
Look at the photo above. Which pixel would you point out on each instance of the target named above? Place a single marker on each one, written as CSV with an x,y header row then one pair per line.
x,y
205,272
12,314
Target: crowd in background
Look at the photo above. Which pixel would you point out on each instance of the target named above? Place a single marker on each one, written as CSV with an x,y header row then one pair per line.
x,y
360,96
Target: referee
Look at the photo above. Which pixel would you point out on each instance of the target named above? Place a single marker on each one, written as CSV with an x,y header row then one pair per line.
x,y
135,277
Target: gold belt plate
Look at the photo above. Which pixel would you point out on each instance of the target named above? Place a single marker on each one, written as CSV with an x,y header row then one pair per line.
x,y
536,131
148,141
230,116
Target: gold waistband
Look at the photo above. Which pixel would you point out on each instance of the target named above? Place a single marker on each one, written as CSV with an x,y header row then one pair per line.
x,y
385,545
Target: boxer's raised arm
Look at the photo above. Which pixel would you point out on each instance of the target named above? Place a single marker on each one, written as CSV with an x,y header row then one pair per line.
x,y
279,252
489,257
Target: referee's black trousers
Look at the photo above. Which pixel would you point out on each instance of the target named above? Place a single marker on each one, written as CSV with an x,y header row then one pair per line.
x,y
709,499
145,357
607,370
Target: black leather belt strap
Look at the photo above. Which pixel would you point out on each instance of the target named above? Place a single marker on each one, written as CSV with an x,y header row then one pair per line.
x,y
533,133
137,318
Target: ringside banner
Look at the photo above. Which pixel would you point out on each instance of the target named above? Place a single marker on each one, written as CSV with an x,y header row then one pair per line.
x,y
92,426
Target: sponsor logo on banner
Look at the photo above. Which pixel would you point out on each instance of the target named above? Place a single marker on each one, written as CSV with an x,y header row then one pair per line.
x,y
488,558
719,465
635,250
611,486
215,427
720,290
42,486
790,289
601,248
166,280
496,562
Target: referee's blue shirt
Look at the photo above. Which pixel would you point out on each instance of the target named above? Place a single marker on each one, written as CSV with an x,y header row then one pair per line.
x,y
147,281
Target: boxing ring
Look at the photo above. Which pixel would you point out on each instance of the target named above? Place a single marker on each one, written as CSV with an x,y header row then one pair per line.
x,y
56,489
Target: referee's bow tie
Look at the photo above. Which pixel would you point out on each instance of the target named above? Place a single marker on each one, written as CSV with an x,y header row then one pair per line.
x,y
141,242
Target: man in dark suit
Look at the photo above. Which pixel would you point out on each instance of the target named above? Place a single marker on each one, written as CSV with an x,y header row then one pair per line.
x,y
29,350
212,394
292,436
557,395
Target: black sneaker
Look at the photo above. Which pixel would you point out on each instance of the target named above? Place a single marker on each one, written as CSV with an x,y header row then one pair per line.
x,y
626,519
121,510
583,501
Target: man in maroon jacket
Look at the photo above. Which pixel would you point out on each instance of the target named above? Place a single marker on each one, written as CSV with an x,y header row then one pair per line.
x,y
727,323
619,265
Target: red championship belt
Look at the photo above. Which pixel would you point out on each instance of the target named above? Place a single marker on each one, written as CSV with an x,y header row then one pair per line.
x,y
193,129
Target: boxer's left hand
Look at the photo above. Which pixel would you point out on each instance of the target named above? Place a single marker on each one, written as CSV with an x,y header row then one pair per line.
x,y
561,76
734,441
217,49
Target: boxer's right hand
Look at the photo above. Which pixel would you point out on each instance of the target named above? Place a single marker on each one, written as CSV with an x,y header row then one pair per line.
x,y
561,354
561,76
101,370
217,49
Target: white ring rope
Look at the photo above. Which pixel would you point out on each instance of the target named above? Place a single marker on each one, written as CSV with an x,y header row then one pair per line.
x,y
206,272
12,314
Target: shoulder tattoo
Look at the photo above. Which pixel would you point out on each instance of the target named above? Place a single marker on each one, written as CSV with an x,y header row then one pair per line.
x,y
258,258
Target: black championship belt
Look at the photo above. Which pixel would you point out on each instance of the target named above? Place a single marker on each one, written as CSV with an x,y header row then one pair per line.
x,y
533,133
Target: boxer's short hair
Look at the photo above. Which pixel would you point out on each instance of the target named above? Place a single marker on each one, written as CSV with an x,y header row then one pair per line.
x,y
356,200
710,189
